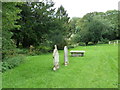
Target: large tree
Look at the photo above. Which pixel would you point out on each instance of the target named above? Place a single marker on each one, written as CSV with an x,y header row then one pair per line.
x,y
92,26
112,17
10,13
35,23
59,30
73,27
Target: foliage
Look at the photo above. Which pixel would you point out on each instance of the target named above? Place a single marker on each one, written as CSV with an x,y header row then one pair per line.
x,y
58,39
73,25
40,24
43,49
21,51
9,63
35,21
104,40
33,24
59,31
9,16
112,16
96,26
14,52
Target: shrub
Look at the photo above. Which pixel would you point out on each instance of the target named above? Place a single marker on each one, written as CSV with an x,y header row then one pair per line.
x,y
21,51
43,49
7,53
40,49
103,41
70,46
82,44
90,43
9,63
13,52
33,53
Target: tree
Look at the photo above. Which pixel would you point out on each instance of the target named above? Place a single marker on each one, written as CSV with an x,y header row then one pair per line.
x,y
10,13
40,24
112,17
59,31
35,22
73,27
92,26
1,25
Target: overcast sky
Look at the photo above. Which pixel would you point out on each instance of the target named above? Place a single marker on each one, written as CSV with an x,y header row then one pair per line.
x,y
78,8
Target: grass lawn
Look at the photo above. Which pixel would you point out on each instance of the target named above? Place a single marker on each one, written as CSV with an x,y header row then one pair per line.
x,y
97,69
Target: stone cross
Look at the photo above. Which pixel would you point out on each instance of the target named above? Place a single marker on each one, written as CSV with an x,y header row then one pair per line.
x,y
55,59
66,56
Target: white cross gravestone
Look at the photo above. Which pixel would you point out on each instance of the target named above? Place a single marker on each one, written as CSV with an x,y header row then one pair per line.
x,y
66,56
55,59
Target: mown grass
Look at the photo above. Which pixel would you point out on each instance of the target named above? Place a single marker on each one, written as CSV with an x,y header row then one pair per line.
x,y
97,69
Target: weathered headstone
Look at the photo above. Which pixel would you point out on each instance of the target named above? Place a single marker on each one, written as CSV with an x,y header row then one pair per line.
x,y
114,43
66,56
117,41
55,59
109,42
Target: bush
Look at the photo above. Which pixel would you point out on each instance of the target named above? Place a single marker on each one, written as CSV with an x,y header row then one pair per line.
x,y
13,52
9,63
82,44
90,43
70,46
104,41
21,51
40,49
7,53
33,53
44,49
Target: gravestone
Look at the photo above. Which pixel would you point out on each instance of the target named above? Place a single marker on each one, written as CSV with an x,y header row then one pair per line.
x,y
109,42
66,56
114,43
55,59
117,41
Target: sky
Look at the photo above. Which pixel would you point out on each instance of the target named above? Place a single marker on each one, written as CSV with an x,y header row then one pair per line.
x,y
78,8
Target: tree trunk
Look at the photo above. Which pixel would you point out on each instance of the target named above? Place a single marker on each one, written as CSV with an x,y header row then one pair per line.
x,y
86,43
25,43
17,43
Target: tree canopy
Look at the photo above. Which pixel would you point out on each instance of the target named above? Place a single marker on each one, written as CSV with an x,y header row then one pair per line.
x,y
9,16
96,26
39,23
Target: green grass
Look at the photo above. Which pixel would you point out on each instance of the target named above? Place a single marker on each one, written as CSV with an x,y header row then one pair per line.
x,y
97,69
